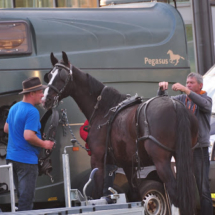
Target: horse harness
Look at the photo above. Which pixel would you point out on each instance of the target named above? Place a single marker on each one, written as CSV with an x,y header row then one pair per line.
x,y
99,98
44,161
143,105
146,124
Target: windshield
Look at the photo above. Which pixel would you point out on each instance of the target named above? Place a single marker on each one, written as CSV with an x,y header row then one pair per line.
x,y
209,85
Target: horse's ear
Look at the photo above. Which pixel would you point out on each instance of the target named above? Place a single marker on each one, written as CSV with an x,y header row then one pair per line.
x,y
65,58
54,60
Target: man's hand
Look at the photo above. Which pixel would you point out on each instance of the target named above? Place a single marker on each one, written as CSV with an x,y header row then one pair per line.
x,y
48,144
32,138
163,85
180,87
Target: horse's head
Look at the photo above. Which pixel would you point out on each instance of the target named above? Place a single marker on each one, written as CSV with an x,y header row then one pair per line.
x,y
57,79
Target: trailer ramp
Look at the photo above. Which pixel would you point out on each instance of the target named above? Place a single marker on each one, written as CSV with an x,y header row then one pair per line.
x,y
134,208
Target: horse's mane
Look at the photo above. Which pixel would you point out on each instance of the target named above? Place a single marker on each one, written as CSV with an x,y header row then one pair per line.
x,y
110,96
94,85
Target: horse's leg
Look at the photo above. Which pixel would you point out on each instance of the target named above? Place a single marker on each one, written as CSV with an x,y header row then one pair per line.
x,y
134,194
97,161
162,161
166,175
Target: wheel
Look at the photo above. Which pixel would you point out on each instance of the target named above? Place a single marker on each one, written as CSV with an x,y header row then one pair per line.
x,y
153,198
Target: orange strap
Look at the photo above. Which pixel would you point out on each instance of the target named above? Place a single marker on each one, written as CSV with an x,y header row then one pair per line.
x,y
189,107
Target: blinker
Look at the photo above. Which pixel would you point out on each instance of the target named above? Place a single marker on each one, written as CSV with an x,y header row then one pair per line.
x,y
63,75
46,79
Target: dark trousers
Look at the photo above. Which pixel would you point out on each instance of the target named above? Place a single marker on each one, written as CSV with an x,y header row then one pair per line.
x,y
201,157
25,176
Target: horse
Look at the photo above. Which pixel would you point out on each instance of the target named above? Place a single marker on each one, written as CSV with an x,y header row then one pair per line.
x,y
174,57
169,122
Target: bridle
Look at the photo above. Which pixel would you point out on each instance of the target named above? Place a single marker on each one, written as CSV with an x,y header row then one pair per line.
x,y
59,92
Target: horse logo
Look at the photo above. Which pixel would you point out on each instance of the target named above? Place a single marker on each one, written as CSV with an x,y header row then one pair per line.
x,y
174,58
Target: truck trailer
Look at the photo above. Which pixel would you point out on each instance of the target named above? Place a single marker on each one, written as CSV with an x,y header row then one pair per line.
x,y
128,48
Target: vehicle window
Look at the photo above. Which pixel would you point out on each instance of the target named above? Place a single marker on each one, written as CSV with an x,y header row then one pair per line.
x,y
14,38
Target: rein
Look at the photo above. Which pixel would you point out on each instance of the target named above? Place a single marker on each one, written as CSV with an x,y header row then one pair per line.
x,y
44,162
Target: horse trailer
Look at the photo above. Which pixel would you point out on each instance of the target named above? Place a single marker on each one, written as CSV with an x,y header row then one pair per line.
x,y
128,48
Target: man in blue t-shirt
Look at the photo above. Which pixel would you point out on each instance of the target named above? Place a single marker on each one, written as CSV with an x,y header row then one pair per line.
x,y
24,143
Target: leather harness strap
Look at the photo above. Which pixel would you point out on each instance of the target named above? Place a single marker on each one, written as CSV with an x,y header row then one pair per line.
x,y
156,141
146,125
99,98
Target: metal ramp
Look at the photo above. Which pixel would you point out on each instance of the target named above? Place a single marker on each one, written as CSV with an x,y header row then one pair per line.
x,y
134,208
97,206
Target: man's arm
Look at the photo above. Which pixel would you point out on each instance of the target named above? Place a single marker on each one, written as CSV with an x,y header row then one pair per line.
x,y
32,138
204,103
6,127
176,87
180,87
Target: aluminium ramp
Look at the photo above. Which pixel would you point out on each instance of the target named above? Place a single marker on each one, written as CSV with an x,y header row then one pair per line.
x,y
134,208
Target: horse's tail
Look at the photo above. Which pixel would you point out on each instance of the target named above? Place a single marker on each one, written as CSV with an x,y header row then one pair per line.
x,y
182,57
184,165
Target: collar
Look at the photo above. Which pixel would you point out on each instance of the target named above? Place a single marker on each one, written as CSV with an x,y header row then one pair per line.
x,y
202,92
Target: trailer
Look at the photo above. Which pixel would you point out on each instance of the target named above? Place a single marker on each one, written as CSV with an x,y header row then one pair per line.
x,y
128,48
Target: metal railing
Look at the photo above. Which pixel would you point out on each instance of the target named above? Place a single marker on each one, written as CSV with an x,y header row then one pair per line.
x,y
66,176
12,194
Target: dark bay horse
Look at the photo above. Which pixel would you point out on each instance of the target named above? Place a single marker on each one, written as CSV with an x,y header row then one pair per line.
x,y
169,122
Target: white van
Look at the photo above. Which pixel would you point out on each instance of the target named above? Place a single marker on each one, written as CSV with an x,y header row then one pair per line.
x,y
209,87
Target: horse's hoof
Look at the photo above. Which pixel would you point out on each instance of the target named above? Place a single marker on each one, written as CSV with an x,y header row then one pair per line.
x,y
109,200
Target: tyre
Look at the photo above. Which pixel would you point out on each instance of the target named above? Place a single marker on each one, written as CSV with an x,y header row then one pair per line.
x,y
153,198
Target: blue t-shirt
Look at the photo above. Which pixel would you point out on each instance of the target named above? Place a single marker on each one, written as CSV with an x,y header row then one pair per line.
x,y
23,116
